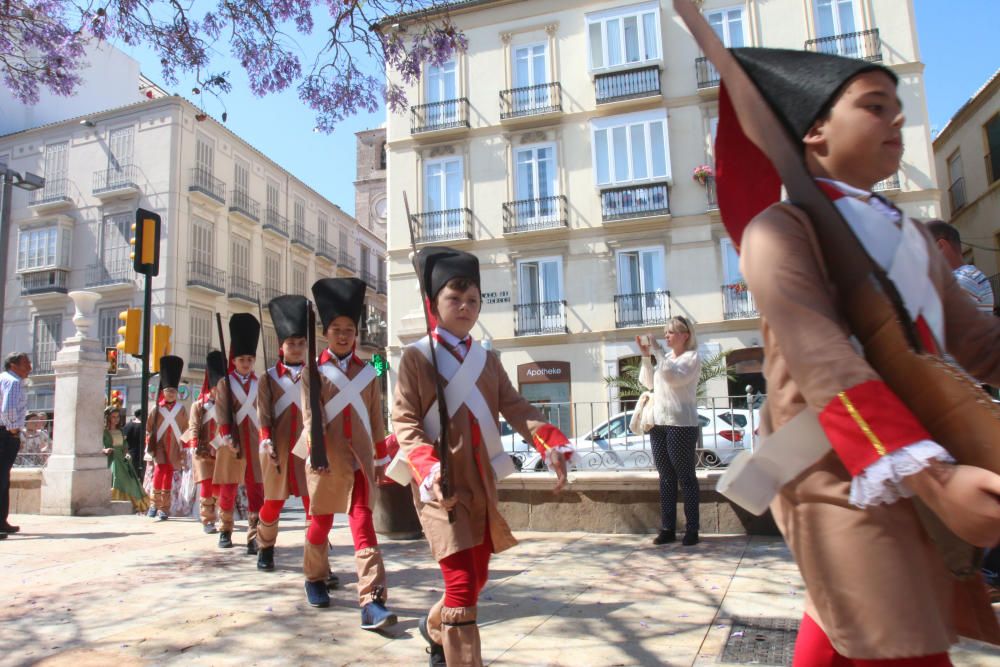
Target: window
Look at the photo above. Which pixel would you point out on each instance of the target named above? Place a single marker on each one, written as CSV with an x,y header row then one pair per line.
x,y
631,148
321,223
107,325
299,213
540,280
272,271
201,334
382,157
39,248
363,255
956,180
834,17
240,260
640,271
992,129
203,243
380,271
56,161
273,195
115,246
241,177
46,342
535,169
271,340
728,25
343,241
120,144
443,184
205,154
442,94
298,279
730,263
623,36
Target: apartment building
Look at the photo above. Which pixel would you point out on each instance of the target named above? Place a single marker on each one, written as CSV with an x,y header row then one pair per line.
x,y
967,153
561,148
238,229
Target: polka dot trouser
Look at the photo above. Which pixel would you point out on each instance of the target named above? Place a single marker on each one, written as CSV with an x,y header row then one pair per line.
x,y
675,456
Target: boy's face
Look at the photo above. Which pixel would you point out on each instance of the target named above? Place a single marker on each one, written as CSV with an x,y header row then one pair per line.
x,y
170,395
244,363
294,349
859,142
340,335
457,310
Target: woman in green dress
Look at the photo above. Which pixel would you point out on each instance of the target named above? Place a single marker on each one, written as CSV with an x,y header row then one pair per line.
x,y
125,484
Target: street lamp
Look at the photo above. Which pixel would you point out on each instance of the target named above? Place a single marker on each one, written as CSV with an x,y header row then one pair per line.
x,y
11,179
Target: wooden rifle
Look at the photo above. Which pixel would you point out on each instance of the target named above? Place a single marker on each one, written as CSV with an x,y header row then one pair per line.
x,y
317,436
230,413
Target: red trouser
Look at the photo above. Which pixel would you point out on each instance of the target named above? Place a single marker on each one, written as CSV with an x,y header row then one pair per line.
x,y
813,649
163,477
255,490
271,509
466,573
208,489
359,518
227,496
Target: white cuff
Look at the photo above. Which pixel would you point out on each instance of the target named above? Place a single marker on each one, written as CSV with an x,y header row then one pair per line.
x,y
427,486
264,444
384,461
881,483
565,452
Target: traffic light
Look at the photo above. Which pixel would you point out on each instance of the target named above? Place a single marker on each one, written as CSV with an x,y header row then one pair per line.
x,y
111,356
161,344
380,363
129,331
146,242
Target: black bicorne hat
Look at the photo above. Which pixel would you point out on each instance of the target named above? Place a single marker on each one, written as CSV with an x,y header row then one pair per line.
x,y
335,297
289,315
244,334
170,371
439,264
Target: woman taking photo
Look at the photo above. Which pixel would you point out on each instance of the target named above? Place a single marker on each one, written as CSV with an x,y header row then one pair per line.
x,y
675,415
125,483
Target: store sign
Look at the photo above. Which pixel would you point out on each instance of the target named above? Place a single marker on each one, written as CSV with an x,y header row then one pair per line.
x,y
500,296
543,371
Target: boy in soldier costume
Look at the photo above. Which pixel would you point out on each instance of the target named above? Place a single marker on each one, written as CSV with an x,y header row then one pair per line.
x,y
203,437
165,427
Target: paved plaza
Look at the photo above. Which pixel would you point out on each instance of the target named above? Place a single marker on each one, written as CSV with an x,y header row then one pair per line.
x,y
125,590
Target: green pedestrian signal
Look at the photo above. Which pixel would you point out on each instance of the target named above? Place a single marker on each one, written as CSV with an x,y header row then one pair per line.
x,y
380,363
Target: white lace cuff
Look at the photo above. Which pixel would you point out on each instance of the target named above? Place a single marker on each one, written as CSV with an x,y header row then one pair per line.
x,y
384,461
881,483
427,486
264,444
564,452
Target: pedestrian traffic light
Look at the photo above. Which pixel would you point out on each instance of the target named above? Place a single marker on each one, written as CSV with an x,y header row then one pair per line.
x,y
161,344
111,355
146,242
380,363
129,331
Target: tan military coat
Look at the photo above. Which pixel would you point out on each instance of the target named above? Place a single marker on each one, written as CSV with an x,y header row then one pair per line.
x,y
166,448
228,468
876,584
348,446
472,477
200,434
279,407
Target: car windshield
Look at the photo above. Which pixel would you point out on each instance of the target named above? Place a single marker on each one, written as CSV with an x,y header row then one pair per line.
x,y
733,419
505,428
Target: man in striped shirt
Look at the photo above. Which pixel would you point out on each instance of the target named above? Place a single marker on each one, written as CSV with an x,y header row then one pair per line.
x,y
13,410
969,278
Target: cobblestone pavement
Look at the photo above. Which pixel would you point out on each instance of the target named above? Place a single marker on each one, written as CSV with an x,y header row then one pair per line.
x,y
126,590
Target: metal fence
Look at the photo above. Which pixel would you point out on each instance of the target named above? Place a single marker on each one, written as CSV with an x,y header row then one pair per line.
x,y
599,432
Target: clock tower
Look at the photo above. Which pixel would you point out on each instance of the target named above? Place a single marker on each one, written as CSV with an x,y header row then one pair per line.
x,y
370,203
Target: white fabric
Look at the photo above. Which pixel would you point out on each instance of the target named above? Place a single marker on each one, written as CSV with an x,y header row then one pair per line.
x,y
264,444
348,393
461,390
642,416
292,392
881,483
208,416
248,402
675,387
382,461
169,421
427,486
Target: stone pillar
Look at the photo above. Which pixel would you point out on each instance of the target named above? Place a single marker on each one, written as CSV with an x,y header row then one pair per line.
x,y
76,478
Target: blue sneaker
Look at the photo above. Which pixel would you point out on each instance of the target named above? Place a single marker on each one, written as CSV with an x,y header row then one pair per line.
x,y
151,512
316,594
374,616
161,515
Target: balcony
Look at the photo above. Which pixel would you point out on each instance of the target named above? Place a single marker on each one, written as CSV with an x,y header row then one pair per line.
x,y
345,260
206,276
865,45
206,187
49,281
708,77
370,339
326,250
276,222
440,116
548,317
532,215
269,293
436,226
641,309
303,237
890,184
956,194
528,101
116,182
368,277
992,168
711,194
382,287
635,201
627,85
55,195
737,302
244,289
119,273
244,206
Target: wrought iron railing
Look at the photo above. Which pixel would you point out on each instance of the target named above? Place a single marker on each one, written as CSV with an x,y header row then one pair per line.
x,y
540,318
887,185
530,100
737,302
708,76
55,190
641,309
275,222
326,249
369,339
627,84
444,115
243,203
711,194
110,273
346,260
635,201
528,215
243,288
864,45
201,274
451,225
368,277
196,357
269,293
115,178
956,194
45,281
203,181
382,287
302,236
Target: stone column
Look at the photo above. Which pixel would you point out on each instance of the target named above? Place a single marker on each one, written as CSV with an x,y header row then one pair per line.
x,y
76,479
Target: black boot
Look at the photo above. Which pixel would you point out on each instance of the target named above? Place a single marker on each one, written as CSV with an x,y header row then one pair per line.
x,y
665,536
265,559
690,538
225,539
252,546
434,650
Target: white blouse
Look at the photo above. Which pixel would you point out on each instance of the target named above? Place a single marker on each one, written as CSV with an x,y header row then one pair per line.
x,y
675,387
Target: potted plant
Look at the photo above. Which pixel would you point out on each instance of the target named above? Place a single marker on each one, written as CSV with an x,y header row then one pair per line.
x,y
702,173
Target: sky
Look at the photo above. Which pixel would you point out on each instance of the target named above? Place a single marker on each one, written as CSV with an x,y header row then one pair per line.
x,y
957,41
